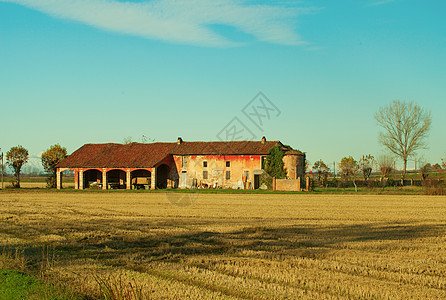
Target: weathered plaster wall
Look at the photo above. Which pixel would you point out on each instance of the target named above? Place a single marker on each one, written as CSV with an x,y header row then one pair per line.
x,y
216,169
286,185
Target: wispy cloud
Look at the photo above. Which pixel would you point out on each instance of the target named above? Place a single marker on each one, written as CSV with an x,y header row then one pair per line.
x,y
381,2
180,21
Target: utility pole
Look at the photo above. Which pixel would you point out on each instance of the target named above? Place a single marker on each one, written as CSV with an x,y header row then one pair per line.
x,y
2,167
334,169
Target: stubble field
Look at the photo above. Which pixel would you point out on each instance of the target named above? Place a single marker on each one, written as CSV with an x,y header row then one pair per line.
x,y
232,245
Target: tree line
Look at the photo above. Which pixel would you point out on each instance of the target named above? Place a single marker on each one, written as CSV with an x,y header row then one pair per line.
x,y
404,127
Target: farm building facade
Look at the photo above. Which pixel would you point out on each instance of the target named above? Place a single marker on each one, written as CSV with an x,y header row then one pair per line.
x,y
236,164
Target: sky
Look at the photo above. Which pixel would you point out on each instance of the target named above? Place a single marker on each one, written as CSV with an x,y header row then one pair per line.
x,y
311,74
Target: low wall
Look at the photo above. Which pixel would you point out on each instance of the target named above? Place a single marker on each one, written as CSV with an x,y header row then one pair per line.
x,y
288,185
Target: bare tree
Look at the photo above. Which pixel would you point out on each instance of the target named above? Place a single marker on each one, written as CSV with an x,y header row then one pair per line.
x,y
405,126
367,164
385,165
127,140
144,140
322,171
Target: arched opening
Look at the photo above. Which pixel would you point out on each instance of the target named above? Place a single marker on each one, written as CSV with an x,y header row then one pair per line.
x,y
92,179
141,179
116,179
162,174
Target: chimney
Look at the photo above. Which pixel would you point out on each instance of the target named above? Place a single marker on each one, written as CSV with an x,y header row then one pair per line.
x,y
180,141
263,140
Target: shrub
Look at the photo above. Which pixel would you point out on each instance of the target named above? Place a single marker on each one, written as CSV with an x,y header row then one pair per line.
x,y
434,187
266,179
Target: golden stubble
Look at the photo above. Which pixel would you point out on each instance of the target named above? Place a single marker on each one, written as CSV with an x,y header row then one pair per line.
x,y
236,246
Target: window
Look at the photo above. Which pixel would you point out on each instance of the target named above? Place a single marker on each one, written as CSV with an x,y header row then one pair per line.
x,y
228,164
228,174
205,174
246,174
184,162
205,164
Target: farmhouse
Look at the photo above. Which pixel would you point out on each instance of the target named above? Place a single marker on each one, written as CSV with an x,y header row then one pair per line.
x,y
236,164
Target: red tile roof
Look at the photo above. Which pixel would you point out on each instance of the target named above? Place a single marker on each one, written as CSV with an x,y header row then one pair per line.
x,y
137,155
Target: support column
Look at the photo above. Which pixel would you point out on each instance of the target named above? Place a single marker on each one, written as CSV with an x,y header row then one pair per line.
x,y
104,179
76,179
153,179
81,179
129,180
59,179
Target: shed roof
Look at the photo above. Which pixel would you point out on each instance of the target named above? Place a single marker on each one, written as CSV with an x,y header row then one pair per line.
x,y
136,155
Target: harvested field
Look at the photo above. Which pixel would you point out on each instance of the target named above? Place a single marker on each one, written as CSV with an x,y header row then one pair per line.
x,y
233,246
39,185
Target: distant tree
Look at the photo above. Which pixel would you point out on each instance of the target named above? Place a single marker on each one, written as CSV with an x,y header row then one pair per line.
x,y
349,168
385,165
127,140
31,171
424,171
144,140
436,167
443,163
405,125
321,169
50,159
274,163
306,165
366,164
16,157
3,166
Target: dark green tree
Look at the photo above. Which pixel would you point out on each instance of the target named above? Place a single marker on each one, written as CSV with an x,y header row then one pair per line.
x,y
349,168
16,157
274,163
50,159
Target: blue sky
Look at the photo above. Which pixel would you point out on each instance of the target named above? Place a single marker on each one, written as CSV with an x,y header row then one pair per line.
x,y
94,71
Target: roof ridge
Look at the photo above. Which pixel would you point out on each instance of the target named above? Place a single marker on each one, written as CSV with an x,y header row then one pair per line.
x,y
154,143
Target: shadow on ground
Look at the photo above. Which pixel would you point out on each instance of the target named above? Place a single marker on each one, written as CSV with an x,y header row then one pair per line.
x,y
306,241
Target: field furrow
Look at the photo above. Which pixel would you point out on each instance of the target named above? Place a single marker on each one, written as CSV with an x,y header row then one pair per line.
x,y
233,246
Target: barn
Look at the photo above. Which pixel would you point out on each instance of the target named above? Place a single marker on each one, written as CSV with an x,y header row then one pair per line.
x,y
181,164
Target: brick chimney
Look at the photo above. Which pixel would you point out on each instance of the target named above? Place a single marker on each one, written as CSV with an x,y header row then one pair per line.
x,y
180,141
263,140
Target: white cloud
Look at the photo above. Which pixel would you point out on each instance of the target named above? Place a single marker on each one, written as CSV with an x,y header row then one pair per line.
x,y
381,2
179,21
